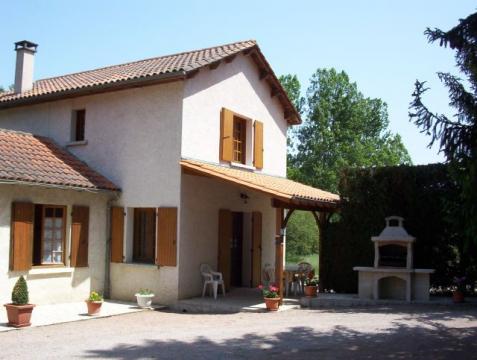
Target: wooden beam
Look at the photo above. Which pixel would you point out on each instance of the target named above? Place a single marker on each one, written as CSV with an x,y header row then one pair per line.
x,y
192,73
275,91
306,205
322,220
264,74
230,58
214,65
285,221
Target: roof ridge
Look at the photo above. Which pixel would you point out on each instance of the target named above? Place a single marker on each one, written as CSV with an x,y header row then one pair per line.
x,y
142,60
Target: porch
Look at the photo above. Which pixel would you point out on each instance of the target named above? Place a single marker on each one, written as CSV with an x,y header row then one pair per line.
x,y
237,300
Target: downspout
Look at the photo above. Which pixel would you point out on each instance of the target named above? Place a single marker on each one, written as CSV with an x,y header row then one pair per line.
x,y
107,257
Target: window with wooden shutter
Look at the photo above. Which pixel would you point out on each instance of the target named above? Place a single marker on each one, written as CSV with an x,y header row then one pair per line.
x,y
225,238
166,254
79,236
117,234
258,145
144,241
226,135
21,236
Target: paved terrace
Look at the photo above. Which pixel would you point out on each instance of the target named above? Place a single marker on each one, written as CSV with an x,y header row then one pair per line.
x,y
396,332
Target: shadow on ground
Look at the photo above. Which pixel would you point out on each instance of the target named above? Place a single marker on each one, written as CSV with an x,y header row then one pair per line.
x,y
426,340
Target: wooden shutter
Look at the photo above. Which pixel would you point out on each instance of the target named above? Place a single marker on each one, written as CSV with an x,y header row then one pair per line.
x,y
117,234
258,145
79,236
21,236
166,249
256,249
226,135
225,238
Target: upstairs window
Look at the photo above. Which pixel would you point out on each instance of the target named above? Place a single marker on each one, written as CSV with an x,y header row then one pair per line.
x,y
239,140
78,125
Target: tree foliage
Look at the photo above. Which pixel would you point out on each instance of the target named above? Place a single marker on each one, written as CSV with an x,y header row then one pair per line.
x,y
342,128
302,234
457,136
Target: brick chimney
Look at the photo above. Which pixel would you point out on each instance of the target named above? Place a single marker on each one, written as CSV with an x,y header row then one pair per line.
x,y
24,67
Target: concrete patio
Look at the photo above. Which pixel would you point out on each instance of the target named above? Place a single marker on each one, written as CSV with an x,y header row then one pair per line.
x,y
68,312
235,301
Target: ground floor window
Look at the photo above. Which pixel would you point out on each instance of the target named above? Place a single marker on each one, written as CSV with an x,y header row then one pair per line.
x,y
49,235
144,238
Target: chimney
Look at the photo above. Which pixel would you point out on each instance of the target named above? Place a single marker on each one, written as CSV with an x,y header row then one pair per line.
x,y
24,68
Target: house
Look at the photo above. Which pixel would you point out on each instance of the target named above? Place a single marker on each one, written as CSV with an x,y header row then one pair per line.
x,y
131,176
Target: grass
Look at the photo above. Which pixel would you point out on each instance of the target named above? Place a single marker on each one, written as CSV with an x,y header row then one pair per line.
x,y
295,259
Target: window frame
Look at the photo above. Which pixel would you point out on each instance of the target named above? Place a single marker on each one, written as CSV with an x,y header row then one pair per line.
x,y
42,239
75,130
242,142
136,241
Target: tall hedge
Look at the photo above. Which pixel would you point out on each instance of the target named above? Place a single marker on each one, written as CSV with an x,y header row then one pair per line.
x,y
425,196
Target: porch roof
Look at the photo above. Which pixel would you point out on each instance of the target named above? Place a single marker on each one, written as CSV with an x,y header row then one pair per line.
x,y
284,192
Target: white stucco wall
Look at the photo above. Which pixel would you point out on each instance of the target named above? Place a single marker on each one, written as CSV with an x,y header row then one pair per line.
x,y
201,200
55,285
133,138
235,86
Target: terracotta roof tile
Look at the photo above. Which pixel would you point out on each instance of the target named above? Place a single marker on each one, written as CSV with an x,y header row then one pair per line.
x,y
276,186
27,158
143,70
186,61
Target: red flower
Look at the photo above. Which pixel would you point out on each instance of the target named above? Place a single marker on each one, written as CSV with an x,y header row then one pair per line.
x,y
260,287
273,288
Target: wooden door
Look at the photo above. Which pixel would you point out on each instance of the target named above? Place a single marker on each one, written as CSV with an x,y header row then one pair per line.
x,y
256,249
236,250
225,238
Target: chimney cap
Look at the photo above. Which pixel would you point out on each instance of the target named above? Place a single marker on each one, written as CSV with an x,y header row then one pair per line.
x,y
26,45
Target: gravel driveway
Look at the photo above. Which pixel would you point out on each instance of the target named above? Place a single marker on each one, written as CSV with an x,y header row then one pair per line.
x,y
423,332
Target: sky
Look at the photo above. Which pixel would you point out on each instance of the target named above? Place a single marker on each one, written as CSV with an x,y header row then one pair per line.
x,y
379,43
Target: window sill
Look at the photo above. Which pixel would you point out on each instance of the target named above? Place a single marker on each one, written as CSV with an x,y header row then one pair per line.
x,y
50,270
242,166
140,265
77,143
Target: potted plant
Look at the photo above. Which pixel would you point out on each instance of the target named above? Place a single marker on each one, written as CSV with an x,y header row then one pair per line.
x,y
94,303
19,311
144,298
459,291
271,297
311,287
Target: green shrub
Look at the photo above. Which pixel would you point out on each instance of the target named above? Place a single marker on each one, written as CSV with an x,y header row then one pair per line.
x,y
94,296
20,292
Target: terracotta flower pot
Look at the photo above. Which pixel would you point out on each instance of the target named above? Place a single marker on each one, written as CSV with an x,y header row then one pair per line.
x,y
94,307
457,296
272,304
311,291
19,315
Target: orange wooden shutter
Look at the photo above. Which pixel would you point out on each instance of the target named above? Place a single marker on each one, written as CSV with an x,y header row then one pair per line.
x,y
225,238
256,248
166,248
117,234
258,145
21,236
226,135
79,236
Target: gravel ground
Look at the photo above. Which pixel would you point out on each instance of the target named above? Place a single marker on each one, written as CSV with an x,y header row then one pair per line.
x,y
423,332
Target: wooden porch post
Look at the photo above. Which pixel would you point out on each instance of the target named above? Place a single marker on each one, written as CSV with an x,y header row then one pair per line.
x,y
321,219
279,250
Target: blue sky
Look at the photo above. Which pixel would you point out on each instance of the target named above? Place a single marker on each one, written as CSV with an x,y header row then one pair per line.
x,y
380,43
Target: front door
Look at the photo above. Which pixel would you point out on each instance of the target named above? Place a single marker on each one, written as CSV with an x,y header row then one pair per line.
x,y
236,250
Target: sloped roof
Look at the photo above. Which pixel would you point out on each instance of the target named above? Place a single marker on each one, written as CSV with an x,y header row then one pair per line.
x,y
37,160
148,71
278,187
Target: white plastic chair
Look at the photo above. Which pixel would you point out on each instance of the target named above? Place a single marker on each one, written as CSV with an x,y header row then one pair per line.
x,y
212,278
